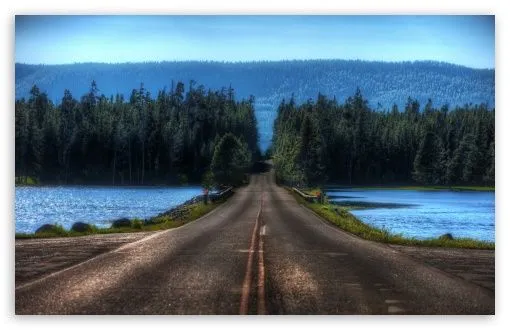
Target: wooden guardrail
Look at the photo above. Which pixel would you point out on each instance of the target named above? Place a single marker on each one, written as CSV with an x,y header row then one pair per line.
x,y
222,194
309,198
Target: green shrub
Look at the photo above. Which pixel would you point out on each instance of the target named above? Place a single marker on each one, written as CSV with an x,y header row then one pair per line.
x,y
82,227
51,230
26,180
123,222
159,219
446,237
137,223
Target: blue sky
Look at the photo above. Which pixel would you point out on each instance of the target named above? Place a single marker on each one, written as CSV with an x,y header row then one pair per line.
x,y
464,40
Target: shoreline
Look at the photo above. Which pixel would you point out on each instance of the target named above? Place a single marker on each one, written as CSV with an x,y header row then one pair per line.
x,y
99,185
341,218
177,216
339,187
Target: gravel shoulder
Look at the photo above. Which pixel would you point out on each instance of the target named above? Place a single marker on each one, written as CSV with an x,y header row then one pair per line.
x,y
36,258
475,266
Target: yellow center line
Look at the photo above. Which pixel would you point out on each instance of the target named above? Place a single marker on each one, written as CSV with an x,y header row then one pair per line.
x,y
245,295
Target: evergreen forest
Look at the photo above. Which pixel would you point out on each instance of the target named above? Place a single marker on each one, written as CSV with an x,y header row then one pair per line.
x,y
350,143
168,138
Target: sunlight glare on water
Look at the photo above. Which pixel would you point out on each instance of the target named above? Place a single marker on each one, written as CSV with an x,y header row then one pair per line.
x,y
36,206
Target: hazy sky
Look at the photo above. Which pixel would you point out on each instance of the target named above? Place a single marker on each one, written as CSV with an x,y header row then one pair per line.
x,y
465,40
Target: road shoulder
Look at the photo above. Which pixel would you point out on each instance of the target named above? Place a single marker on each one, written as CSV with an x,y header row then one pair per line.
x,y
36,258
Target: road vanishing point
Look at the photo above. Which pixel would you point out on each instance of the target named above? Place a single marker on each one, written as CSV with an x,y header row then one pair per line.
x,y
260,252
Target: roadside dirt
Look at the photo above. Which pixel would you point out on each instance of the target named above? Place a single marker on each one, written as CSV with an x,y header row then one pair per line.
x,y
36,258
475,266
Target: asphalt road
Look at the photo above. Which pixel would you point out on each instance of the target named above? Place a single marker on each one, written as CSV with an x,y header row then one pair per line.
x,y
258,253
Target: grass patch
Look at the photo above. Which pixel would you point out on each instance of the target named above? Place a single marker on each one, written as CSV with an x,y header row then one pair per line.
x,y
189,213
477,188
341,217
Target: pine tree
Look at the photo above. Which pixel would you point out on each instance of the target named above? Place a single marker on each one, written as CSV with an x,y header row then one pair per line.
x,y
230,160
311,160
427,164
490,174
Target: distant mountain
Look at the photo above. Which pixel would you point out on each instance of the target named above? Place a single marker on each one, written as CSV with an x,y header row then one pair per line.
x,y
382,83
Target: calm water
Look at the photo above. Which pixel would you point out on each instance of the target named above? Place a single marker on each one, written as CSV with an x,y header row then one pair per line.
x,y
36,206
425,214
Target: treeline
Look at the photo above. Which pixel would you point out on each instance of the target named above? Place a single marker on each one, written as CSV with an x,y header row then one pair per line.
x,y
353,144
142,140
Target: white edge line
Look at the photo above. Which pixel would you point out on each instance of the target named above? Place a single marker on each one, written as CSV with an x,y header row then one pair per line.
x,y
120,248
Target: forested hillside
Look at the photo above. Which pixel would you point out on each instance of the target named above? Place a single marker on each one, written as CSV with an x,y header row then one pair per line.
x,y
351,143
169,137
382,83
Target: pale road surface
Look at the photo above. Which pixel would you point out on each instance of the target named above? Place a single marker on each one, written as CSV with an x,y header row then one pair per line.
x,y
258,253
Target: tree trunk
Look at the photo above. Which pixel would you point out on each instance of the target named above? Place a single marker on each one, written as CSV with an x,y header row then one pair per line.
x,y
66,171
143,160
350,170
130,176
114,163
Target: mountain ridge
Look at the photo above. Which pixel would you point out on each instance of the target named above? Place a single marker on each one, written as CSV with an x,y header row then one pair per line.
x,y
382,83
263,61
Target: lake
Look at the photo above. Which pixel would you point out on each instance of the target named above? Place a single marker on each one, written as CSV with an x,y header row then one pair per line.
x,y
36,206
423,214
